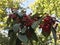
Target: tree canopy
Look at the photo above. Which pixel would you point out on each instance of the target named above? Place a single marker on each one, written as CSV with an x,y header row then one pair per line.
x,y
7,4
46,6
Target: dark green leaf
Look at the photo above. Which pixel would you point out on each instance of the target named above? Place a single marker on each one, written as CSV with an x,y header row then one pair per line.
x,y
54,34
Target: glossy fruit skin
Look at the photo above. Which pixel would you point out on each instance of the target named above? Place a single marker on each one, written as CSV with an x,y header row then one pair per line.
x,y
46,26
27,21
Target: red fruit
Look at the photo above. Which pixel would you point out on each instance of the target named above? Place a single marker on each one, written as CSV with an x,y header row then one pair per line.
x,y
29,22
46,31
26,23
25,18
18,19
46,28
41,25
13,16
28,33
49,25
10,15
48,20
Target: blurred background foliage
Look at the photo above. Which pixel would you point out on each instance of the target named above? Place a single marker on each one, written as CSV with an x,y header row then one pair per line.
x,y
49,6
7,4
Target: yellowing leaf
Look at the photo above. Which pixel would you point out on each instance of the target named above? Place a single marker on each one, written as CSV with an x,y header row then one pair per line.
x,y
1,11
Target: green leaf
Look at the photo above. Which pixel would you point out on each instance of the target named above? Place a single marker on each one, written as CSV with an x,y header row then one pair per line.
x,y
35,24
16,27
54,34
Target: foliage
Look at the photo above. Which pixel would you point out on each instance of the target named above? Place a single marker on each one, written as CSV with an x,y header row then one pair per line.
x,y
7,4
49,6
38,7
3,40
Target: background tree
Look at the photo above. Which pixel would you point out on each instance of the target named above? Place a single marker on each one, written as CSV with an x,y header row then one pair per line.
x,y
49,6
7,4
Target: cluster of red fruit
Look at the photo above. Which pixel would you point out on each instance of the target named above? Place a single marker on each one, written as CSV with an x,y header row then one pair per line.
x,y
27,20
12,16
46,26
